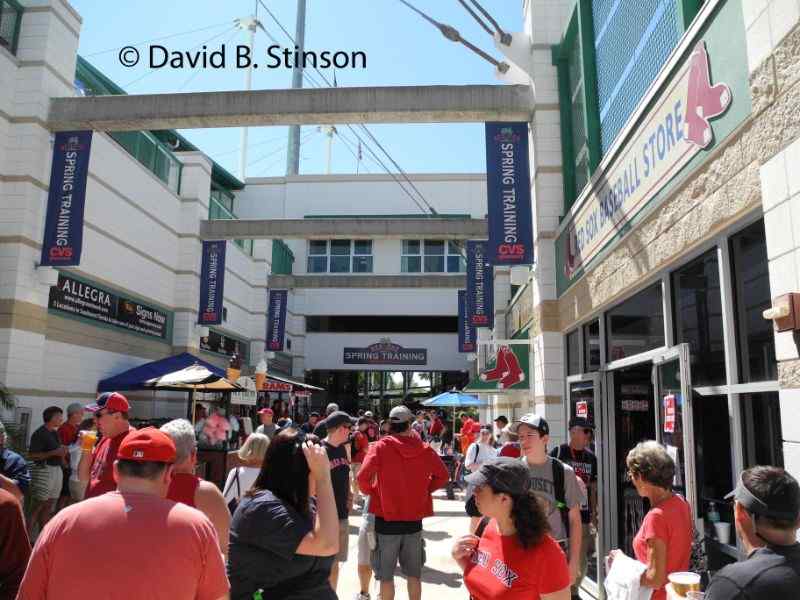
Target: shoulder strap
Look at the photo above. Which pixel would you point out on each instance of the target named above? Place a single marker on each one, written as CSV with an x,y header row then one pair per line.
x,y
560,492
477,450
481,526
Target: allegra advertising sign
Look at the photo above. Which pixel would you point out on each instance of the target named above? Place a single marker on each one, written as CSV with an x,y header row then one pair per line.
x,y
676,129
508,188
63,228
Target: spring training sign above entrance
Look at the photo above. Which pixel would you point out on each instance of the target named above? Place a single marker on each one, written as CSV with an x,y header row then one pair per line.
x,y
685,121
385,353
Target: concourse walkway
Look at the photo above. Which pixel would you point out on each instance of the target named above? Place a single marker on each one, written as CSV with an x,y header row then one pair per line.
x,y
441,577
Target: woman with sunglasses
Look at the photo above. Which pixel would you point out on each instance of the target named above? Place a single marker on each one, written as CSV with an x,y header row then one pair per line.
x,y
280,543
511,557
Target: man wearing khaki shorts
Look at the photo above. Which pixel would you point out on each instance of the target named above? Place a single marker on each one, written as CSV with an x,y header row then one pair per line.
x,y
47,476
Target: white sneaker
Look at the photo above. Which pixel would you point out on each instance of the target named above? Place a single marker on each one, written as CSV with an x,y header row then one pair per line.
x,y
362,596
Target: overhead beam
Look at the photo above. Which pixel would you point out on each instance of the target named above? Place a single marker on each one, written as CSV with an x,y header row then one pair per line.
x,y
408,104
368,281
345,229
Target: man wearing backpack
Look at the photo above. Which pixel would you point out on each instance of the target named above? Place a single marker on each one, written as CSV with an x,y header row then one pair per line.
x,y
577,455
555,484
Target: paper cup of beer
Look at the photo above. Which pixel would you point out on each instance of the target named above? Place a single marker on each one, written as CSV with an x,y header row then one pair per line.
x,y
684,582
723,532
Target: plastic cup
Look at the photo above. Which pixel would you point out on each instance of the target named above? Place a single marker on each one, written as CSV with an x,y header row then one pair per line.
x,y
723,532
695,595
260,379
88,439
684,582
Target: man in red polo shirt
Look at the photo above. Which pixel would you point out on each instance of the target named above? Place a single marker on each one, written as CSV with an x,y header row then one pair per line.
x,y
132,543
96,466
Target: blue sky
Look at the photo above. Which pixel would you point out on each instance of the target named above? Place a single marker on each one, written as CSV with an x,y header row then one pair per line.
x,y
401,49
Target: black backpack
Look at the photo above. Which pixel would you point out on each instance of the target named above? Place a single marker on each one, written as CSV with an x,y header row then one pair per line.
x,y
560,492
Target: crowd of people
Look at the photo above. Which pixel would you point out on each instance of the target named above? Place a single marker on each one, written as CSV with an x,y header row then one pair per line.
x,y
127,504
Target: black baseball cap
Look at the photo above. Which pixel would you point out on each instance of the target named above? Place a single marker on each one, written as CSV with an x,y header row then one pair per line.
x,y
580,422
502,419
338,418
502,474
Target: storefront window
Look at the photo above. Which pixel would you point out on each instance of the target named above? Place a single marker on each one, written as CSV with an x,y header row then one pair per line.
x,y
698,318
712,448
591,346
762,434
573,352
752,296
636,325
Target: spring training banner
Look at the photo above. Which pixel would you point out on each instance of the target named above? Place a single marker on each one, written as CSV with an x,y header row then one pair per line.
x,y
212,283
276,319
63,227
480,286
466,332
508,188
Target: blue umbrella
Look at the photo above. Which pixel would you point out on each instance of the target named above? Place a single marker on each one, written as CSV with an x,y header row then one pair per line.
x,y
453,399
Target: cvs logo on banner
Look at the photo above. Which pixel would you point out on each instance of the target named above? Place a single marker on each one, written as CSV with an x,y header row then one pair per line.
x,y
60,253
511,250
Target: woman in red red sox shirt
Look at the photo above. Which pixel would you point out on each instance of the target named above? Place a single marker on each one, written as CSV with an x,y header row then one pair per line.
x,y
513,558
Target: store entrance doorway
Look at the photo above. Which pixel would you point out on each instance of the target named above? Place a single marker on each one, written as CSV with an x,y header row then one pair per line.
x,y
642,397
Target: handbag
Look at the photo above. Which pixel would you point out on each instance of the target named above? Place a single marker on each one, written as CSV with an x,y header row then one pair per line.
x,y
234,502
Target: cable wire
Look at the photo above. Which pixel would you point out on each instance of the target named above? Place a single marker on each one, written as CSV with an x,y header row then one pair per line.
x,y
491,19
429,209
158,39
198,70
476,16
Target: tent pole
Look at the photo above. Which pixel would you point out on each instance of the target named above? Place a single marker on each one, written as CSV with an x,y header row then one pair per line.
x,y
192,410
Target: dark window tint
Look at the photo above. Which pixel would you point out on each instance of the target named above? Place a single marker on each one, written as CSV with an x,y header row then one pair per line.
x,y
756,340
761,424
573,352
591,346
636,325
712,447
698,318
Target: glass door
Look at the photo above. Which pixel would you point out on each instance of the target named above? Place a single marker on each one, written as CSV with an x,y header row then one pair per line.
x,y
584,394
674,426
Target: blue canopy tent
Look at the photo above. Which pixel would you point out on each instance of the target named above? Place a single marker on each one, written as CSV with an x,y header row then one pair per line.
x,y
137,378
453,399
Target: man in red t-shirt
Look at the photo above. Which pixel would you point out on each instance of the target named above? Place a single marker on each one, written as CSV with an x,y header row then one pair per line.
x,y
15,549
132,543
360,443
469,430
96,466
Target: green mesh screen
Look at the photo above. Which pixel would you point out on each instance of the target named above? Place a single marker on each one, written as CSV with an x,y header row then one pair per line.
x,y
577,113
9,24
632,42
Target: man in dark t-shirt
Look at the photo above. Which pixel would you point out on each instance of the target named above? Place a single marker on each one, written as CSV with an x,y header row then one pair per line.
x,y
46,476
584,462
338,426
767,516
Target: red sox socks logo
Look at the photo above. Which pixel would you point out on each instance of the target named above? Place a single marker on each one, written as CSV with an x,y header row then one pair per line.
x,y
705,101
507,371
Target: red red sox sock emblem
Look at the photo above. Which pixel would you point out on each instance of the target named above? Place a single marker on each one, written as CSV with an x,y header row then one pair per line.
x,y
704,101
507,371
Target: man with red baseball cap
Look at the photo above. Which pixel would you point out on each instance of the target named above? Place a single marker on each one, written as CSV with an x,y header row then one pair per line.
x,y
137,543
96,465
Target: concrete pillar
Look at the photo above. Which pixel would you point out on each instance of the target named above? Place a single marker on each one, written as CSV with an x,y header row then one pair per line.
x,y
767,23
195,194
44,67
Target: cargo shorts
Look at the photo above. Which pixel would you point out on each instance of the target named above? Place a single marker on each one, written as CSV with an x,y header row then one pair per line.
x,y
408,549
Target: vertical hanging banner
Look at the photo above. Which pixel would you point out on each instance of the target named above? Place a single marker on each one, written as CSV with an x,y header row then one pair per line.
x,y
63,227
508,188
212,283
480,286
276,319
467,335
